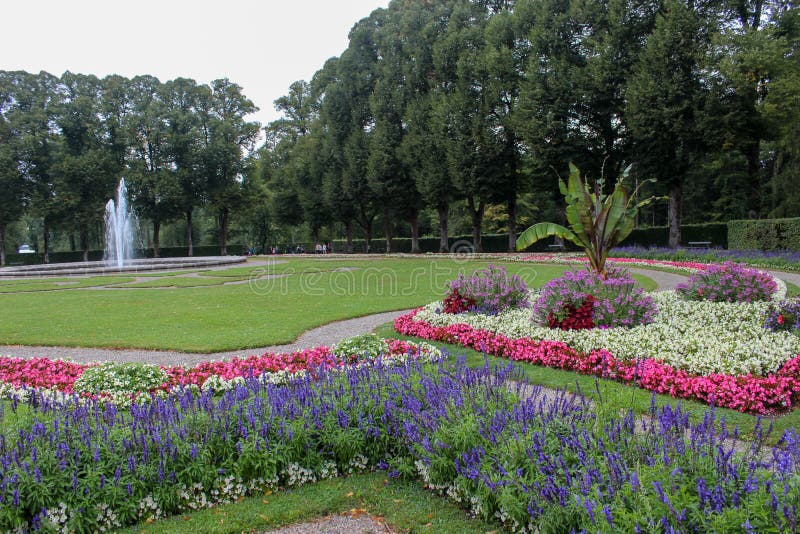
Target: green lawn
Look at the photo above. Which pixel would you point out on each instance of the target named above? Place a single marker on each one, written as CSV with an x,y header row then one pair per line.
x,y
404,506
182,281
47,284
792,290
267,311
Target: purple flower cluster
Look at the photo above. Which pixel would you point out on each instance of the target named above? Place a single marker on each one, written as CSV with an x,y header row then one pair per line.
x,y
492,290
536,461
618,300
784,317
728,282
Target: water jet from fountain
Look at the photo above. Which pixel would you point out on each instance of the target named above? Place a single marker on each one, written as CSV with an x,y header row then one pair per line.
x,y
120,222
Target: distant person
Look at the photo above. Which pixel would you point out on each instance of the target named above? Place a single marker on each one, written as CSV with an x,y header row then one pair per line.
x,y
318,249
324,248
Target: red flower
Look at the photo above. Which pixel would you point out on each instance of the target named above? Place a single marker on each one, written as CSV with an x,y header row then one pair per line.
x,y
780,319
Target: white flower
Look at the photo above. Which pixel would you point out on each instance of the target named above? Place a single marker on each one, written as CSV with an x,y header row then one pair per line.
x,y
701,337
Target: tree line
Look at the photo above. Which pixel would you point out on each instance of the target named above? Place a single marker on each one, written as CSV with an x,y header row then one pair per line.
x,y
478,103
66,141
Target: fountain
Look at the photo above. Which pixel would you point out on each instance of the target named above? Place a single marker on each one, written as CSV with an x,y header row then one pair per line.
x,y
120,222
119,250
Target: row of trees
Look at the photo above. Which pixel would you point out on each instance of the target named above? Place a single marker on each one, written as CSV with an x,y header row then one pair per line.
x,y
65,142
479,101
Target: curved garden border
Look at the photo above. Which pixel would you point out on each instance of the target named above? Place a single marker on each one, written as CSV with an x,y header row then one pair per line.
x,y
749,393
746,393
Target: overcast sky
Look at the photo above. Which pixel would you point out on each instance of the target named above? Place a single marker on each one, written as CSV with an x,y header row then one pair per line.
x,y
263,46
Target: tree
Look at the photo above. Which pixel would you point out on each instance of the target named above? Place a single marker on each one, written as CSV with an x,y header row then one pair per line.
x,y
12,182
665,103
86,170
426,78
180,98
473,151
782,113
153,182
226,142
30,114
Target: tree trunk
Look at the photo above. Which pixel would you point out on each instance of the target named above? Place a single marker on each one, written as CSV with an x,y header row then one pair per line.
x,y
753,153
444,245
46,236
414,231
477,220
512,223
2,245
72,242
156,238
368,231
223,231
85,243
190,252
387,229
674,215
349,237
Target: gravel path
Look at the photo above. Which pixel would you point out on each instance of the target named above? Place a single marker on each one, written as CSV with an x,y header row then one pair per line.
x,y
337,524
324,335
663,280
793,278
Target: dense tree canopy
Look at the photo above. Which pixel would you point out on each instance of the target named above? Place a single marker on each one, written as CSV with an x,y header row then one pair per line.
x,y
473,105
66,142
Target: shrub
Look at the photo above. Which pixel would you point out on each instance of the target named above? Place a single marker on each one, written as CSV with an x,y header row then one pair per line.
x,y
491,290
784,317
766,234
615,301
728,282
120,382
455,302
368,346
658,236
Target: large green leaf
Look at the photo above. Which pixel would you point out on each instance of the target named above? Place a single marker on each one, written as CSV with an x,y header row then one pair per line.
x,y
543,230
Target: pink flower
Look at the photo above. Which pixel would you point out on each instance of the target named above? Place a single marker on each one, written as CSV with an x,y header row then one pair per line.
x,y
747,393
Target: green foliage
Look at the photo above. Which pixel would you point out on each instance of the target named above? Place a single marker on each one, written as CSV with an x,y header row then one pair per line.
x,y
597,221
368,346
658,236
120,382
765,234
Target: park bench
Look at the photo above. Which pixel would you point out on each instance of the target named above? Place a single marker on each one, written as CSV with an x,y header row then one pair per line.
x,y
698,244
556,246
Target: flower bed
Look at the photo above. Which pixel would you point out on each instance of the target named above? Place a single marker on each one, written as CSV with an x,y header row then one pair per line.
x,y
534,465
697,337
123,383
580,259
746,393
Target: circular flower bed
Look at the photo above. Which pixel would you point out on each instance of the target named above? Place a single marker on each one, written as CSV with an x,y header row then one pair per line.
x,y
729,282
703,350
488,290
583,299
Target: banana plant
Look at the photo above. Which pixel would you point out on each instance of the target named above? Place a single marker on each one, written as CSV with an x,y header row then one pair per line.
x,y
597,222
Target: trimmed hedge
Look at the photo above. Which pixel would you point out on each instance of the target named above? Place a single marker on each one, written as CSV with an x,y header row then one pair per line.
x,y
97,255
717,233
495,243
765,234
658,236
